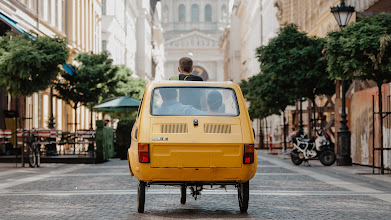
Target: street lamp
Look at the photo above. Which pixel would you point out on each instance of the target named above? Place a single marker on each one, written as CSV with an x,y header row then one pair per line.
x,y
301,130
342,14
51,119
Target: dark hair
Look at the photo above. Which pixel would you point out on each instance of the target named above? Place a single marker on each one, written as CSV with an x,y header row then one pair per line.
x,y
185,64
168,93
215,100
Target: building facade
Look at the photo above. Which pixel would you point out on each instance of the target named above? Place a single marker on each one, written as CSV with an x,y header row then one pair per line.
x,y
315,18
77,20
132,33
193,29
253,24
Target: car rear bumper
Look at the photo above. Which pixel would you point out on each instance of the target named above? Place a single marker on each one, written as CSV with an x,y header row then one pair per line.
x,y
148,174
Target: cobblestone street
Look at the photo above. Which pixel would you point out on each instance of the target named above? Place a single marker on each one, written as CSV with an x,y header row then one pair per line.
x,y
279,190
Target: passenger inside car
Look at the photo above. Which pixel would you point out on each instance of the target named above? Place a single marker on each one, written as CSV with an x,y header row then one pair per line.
x,y
215,100
171,106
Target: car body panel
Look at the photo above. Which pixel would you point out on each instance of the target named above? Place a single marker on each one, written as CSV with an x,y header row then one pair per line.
x,y
182,151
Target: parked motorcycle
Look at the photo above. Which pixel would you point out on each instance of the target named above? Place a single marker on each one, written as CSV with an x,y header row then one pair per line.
x,y
321,147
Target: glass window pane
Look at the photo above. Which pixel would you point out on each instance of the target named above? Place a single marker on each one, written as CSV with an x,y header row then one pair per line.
x,y
186,101
195,13
181,13
208,13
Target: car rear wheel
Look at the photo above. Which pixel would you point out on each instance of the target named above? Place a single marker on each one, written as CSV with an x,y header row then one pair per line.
x,y
243,195
183,194
141,196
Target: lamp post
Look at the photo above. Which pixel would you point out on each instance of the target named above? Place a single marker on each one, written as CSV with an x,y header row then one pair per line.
x,y
342,14
301,130
51,119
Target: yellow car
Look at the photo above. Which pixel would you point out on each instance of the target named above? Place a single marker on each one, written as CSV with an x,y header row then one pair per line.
x,y
192,134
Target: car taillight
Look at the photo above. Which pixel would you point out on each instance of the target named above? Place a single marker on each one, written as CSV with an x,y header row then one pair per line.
x,y
143,153
248,156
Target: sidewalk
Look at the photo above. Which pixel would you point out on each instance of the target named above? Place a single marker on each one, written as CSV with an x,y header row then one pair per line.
x,y
354,170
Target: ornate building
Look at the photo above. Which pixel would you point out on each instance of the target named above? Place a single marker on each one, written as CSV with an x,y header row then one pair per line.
x,y
132,33
314,17
193,28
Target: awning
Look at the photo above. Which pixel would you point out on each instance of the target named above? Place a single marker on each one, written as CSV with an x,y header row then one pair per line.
x,y
13,23
120,104
69,68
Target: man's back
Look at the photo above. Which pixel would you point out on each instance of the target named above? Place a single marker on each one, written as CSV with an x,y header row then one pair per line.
x,y
186,77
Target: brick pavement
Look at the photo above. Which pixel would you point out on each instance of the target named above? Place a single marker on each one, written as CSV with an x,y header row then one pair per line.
x,y
280,190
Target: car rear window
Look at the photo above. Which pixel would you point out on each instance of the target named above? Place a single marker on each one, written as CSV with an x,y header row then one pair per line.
x,y
184,101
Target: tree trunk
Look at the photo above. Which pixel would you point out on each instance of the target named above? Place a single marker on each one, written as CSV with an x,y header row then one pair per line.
x,y
267,135
261,141
379,85
314,118
283,119
91,117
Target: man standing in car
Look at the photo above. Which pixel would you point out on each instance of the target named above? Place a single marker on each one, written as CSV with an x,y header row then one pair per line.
x,y
185,69
188,96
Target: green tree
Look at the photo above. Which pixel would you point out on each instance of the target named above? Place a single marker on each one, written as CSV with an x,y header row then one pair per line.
x,y
362,51
295,64
92,79
28,66
263,96
126,84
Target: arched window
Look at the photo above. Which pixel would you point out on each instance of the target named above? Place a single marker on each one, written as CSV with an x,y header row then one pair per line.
x,y
165,14
195,13
208,13
224,13
181,12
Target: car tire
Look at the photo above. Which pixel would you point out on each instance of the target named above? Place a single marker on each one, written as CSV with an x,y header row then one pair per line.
x,y
183,194
141,196
243,196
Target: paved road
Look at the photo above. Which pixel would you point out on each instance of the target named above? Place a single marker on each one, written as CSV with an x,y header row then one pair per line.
x,y
279,190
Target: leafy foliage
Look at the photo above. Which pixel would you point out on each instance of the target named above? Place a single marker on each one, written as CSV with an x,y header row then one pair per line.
x,y
126,85
296,64
293,67
28,66
362,50
264,98
92,79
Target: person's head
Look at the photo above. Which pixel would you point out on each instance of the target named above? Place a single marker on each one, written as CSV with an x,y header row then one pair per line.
x,y
168,94
215,100
185,65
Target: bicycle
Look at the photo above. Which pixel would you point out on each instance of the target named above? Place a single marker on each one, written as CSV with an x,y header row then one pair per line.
x,y
33,149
